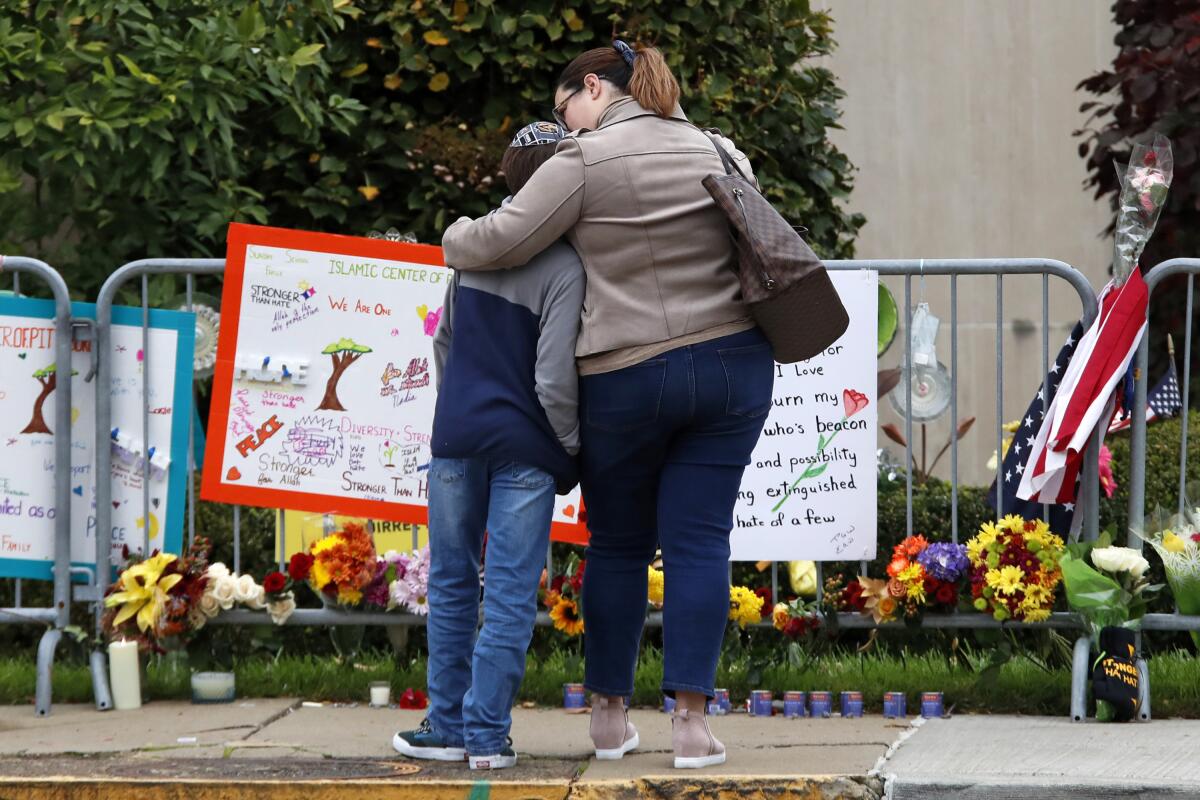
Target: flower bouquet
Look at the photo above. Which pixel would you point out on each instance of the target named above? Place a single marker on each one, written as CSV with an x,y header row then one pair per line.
x,y
1176,539
405,578
1144,184
923,576
1015,569
343,565
1111,590
562,597
157,600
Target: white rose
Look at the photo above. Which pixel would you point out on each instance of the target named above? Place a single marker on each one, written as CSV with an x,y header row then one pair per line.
x,y
224,590
209,603
218,570
1120,559
280,610
245,589
259,601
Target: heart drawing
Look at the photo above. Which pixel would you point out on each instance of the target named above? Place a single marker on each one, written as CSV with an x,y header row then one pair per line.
x,y
569,511
233,474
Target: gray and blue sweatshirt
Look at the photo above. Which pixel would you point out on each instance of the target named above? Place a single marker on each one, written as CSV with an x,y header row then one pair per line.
x,y
504,361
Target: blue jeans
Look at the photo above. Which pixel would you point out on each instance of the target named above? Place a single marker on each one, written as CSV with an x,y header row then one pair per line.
x,y
473,680
665,443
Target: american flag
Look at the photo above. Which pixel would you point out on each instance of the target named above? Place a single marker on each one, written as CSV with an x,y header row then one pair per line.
x,y
1082,403
1060,514
1164,400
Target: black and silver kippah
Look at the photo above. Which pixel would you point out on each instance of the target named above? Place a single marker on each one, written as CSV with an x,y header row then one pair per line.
x,y
536,133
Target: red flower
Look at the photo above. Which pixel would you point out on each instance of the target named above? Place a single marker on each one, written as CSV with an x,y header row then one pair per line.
x,y
275,583
947,594
1196,537
852,596
557,584
795,628
300,566
413,699
767,607
577,580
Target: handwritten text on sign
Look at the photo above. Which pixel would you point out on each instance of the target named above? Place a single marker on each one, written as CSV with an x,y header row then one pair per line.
x,y
324,395
810,489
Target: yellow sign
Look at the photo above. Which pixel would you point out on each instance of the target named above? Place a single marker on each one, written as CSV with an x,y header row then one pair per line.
x,y
295,531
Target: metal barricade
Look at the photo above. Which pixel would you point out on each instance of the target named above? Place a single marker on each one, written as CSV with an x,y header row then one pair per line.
x,y
57,616
1189,267
951,269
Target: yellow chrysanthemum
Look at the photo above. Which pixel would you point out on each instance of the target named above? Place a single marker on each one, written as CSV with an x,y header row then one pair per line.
x,y
1037,595
976,546
655,593
348,596
1035,614
1006,580
321,545
566,617
780,616
319,575
745,607
1011,522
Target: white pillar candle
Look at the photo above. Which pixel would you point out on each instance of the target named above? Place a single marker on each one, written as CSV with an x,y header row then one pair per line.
x,y
381,694
124,675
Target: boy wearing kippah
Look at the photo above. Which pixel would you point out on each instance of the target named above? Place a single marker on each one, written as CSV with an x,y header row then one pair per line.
x,y
505,437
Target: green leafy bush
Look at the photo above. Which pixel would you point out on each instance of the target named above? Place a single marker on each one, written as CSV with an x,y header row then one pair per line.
x,y
132,128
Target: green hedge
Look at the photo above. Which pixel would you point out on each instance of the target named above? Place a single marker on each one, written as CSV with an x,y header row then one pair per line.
x,y
133,128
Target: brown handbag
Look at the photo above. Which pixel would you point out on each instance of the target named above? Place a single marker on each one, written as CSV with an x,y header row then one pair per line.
x,y
784,284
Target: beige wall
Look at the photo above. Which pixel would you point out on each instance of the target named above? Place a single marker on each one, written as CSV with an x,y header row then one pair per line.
x,y
958,116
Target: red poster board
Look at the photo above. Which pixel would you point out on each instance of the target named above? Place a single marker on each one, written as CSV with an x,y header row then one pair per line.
x,y
323,393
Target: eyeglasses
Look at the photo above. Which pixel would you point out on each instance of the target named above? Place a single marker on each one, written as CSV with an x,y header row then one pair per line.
x,y
561,109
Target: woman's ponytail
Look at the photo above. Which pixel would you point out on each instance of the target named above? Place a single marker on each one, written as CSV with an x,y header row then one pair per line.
x,y
643,74
652,83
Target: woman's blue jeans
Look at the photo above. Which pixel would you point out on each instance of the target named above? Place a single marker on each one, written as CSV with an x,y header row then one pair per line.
x,y
665,443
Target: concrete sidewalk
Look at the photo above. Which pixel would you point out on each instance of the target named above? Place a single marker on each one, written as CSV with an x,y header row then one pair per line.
x,y
270,749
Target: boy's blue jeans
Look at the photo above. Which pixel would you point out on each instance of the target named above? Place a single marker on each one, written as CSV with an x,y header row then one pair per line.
x,y
472,679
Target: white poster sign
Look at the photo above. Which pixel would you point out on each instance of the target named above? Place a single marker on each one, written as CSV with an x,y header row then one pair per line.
x,y
810,489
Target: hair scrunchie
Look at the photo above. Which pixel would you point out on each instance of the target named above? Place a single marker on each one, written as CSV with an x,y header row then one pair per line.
x,y
625,50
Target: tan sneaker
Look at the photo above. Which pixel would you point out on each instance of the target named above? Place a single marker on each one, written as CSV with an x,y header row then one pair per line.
x,y
612,733
694,744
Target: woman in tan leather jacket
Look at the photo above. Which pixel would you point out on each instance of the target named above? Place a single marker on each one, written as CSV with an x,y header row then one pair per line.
x,y
675,379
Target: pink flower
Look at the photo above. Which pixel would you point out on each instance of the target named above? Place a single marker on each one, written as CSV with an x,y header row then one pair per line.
x,y
1107,481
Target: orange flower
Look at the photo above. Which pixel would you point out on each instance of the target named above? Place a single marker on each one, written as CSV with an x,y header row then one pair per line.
x,y
895,588
887,608
898,565
913,545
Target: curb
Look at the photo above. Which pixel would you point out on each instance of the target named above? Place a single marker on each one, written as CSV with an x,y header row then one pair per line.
x,y
731,787
168,789
832,787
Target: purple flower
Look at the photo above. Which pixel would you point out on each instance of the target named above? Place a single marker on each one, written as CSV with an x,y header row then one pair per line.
x,y
945,561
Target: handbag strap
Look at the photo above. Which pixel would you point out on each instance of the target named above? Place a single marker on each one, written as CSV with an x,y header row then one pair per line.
x,y
731,167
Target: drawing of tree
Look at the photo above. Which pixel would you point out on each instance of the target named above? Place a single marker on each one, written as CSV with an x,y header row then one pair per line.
x,y
344,352
48,378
